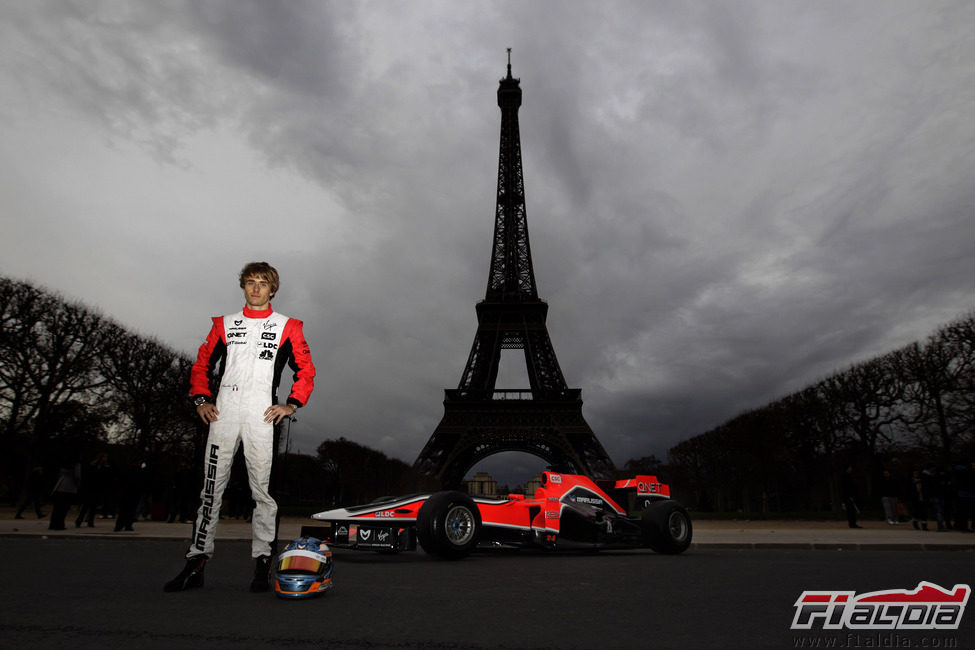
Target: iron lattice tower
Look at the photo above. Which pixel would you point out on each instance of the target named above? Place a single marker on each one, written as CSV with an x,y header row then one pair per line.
x,y
480,420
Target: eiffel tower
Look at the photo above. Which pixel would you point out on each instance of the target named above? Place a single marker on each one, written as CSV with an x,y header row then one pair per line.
x,y
480,420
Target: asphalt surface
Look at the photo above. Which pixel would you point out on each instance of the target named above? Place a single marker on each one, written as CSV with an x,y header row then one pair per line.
x,y
734,588
89,592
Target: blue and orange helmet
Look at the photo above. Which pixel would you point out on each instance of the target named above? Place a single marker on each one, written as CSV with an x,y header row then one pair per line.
x,y
304,569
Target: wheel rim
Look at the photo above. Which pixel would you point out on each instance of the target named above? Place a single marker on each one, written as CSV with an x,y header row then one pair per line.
x,y
677,525
459,525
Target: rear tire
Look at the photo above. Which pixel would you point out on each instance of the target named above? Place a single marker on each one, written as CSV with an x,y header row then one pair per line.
x,y
666,527
448,525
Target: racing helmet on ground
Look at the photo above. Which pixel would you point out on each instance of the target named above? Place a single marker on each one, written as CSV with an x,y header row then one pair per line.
x,y
304,569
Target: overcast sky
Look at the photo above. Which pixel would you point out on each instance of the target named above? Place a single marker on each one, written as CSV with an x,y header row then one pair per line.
x,y
727,201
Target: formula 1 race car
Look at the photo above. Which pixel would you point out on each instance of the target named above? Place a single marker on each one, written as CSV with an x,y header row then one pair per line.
x,y
568,511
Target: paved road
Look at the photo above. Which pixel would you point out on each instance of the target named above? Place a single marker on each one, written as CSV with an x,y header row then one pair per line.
x,y
95,592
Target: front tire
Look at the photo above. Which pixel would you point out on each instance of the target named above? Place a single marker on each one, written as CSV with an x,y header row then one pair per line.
x,y
666,527
448,525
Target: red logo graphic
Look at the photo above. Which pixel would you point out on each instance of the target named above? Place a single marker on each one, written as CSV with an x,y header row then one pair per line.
x,y
928,607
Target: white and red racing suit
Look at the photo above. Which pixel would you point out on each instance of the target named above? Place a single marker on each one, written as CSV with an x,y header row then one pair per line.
x,y
244,354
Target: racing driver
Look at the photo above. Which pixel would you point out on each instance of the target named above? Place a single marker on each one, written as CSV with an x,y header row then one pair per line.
x,y
244,354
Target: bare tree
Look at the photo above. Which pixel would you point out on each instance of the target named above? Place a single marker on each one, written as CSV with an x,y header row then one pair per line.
x,y
149,385
865,401
933,373
49,350
960,336
22,309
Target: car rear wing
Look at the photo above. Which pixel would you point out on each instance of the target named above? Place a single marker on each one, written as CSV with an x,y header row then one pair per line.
x,y
645,486
635,493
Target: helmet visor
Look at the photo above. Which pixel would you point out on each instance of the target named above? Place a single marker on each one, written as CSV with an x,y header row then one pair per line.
x,y
300,561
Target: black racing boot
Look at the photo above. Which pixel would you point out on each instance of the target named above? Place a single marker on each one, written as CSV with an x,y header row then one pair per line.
x,y
262,574
190,577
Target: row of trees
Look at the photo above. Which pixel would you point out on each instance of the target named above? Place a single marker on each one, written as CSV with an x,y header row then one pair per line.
x,y
904,410
72,380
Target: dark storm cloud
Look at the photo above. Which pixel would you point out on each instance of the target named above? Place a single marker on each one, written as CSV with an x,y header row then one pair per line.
x,y
117,63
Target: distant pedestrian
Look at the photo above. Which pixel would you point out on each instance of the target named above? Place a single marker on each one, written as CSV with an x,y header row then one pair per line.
x,y
185,491
919,509
31,493
936,492
132,481
94,483
849,493
965,508
64,494
889,496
